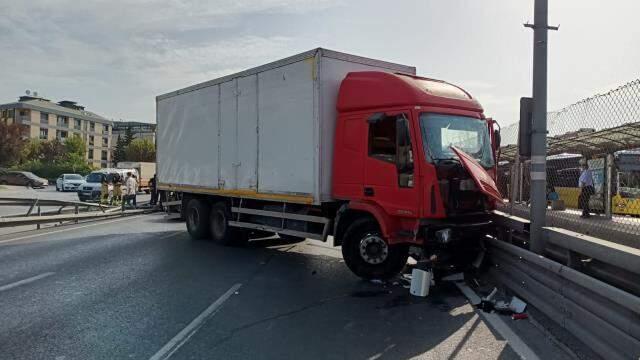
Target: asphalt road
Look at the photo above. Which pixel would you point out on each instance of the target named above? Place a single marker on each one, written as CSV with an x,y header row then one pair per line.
x,y
139,288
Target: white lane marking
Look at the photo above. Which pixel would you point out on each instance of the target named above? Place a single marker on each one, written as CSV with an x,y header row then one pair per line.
x,y
516,343
25,281
68,229
183,336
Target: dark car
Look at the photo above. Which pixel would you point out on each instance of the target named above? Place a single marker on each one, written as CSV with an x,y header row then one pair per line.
x,y
23,178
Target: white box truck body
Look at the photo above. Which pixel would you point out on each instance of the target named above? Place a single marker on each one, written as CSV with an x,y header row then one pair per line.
x,y
264,133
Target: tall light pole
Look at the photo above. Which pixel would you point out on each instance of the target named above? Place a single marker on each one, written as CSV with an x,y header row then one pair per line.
x,y
539,125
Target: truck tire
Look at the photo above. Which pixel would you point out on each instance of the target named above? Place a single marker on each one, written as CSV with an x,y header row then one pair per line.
x,y
197,218
368,255
221,232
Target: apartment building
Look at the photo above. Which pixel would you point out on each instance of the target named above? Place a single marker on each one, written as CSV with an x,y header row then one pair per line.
x,y
46,120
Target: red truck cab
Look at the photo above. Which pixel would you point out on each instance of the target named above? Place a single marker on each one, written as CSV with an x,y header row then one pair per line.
x,y
415,159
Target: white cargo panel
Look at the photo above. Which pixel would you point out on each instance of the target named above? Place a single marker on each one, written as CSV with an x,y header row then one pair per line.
x,y
264,131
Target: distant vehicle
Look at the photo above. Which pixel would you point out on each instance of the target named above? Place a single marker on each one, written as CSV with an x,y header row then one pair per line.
x,y
146,170
69,182
90,189
24,178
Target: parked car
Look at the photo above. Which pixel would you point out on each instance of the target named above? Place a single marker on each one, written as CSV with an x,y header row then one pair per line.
x,y
69,182
90,189
24,178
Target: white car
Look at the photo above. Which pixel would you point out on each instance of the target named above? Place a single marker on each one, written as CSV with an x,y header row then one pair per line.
x,y
69,182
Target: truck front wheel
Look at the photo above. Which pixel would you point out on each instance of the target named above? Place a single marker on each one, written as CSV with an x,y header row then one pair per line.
x,y
221,232
197,216
368,255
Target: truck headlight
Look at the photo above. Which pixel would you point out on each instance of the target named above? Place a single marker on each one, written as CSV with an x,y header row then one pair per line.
x,y
443,236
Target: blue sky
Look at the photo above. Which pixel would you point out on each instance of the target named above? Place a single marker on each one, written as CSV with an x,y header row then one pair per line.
x,y
114,57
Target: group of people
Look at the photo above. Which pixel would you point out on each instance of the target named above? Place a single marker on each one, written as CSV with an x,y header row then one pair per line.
x,y
124,190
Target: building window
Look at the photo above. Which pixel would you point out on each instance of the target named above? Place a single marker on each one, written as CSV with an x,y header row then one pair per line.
x,y
11,113
23,112
44,133
61,135
44,118
3,113
63,121
77,124
106,129
92,126
90,154
24,116
105,142
91,140
103,156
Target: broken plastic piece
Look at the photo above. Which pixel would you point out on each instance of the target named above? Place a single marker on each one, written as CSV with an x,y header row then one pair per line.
x,y
420,282
520,316
454,277
516,305
491,294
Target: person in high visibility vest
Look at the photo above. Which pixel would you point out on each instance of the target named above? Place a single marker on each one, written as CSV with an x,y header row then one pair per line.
x,y
104,190
117,190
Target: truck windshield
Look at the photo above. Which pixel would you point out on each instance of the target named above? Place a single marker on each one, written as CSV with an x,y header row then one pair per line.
x,y
440,132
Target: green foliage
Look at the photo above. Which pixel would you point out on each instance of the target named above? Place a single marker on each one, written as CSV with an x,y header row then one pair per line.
x,y
141,150
128,136
49,159
11,143
74,145
120,153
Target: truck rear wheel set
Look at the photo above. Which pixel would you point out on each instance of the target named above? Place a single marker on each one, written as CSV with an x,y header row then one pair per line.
x,y
211,221
368,255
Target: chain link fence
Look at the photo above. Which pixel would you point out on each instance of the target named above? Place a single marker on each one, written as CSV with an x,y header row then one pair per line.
x,y
593,167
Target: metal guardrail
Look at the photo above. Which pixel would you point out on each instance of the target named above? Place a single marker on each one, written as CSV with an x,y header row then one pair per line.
x,y
67,211
598,311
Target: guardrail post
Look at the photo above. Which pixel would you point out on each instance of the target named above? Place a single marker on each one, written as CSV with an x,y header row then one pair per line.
x,y
76,211
39,214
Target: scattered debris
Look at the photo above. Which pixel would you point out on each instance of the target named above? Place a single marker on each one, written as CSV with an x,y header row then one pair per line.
x,y
377,281
519,316
421,281
517,305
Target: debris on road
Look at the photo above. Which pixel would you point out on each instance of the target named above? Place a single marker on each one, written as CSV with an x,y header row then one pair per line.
x,y
421,281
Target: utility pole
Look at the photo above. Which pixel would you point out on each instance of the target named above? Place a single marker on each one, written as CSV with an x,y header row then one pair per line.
x,y
539,127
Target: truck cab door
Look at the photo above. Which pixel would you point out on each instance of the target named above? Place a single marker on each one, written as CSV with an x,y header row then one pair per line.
x,y
390,176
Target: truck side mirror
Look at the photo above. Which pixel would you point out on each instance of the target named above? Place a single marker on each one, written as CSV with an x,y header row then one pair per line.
x,y
496,138
524,131
404,157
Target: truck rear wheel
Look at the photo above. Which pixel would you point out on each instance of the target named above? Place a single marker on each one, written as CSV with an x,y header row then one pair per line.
x,y
368,255
221,232
197,216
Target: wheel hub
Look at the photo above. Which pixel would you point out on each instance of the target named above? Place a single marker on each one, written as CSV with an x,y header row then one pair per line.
x,y
373,249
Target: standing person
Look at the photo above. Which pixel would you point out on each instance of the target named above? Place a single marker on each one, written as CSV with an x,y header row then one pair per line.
x,y
117,189
585,182
104,190
154,191
132,188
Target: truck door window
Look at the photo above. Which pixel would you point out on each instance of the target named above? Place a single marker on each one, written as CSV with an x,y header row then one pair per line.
x,y
389,141
382,138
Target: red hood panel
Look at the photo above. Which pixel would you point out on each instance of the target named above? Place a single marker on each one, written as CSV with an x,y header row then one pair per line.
x,y
483,180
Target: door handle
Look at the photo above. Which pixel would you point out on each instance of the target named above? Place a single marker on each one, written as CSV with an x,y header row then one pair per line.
x,y
368,191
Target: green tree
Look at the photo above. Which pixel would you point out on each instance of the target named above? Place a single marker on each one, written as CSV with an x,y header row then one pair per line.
x,y
12,143
74,145
51,151
32,150
119,153
128,136
141,150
